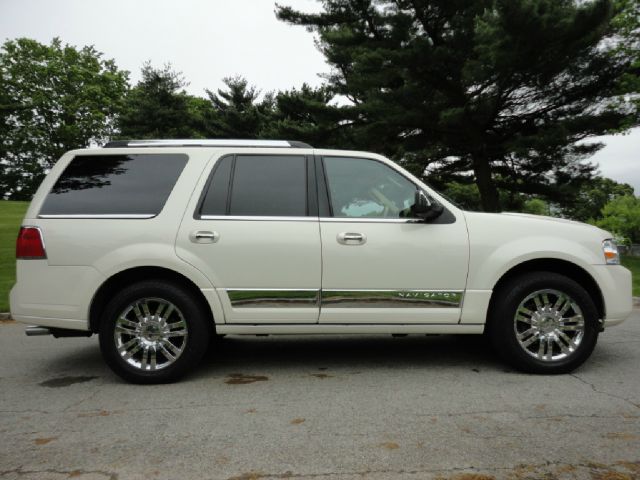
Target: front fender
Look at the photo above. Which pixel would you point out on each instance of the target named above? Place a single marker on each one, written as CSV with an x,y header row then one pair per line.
x,y
488,265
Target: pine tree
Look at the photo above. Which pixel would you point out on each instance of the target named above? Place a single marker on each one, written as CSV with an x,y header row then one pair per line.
x,y
500,89
239,111
305,114
159,107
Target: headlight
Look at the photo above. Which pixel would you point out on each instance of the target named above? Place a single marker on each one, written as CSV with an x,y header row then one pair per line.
x,y
611,255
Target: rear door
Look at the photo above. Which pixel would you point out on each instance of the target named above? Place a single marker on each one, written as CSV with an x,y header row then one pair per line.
x,y
378,264
254,232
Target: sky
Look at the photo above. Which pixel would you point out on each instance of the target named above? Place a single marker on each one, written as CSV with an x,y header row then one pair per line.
x,y
208,40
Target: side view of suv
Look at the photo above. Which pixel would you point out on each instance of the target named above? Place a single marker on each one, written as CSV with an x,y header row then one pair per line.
x,y
160,246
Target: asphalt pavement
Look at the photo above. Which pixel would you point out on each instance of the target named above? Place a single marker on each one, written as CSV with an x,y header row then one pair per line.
x,y
348,407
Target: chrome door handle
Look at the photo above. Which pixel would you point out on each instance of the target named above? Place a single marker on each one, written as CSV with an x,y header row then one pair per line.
x,y
350,238
203,236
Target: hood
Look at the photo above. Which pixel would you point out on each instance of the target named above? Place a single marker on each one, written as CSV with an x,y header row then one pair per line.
x,y
545,217
524,220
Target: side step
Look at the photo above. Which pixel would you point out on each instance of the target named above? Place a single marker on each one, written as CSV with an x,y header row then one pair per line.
x,y
33,331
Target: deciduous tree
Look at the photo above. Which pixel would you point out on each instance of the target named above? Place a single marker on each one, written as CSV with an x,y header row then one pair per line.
x,y
593,197
621,216
53,98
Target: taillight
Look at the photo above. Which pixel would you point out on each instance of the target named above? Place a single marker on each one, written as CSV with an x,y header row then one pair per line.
x,y
30,244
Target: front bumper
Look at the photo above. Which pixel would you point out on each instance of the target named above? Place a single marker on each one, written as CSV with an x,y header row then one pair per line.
x,y
615,285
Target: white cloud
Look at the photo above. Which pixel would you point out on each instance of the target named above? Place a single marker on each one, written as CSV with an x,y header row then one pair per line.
x,y
205,39
620,158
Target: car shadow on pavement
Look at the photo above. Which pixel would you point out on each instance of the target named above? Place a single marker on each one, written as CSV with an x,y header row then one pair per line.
x,y
363,351
290,354
294,353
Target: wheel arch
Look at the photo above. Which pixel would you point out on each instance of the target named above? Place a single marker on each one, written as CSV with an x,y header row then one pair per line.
x,y
555,265
132,275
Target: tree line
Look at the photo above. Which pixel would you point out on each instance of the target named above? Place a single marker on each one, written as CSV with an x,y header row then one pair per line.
x,y
488,100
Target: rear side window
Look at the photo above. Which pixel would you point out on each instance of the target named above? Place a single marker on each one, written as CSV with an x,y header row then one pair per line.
x,y
137,184
261,185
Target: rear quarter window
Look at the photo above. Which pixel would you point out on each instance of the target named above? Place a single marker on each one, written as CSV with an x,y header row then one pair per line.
x,y
103,185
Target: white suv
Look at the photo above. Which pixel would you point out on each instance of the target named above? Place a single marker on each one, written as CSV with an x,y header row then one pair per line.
x,y
161,246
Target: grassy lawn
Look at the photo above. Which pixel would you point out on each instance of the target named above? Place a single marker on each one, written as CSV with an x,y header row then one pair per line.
x,y
11,214
633,264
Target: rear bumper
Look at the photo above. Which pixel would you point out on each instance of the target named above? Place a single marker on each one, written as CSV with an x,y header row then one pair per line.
x,y
66,323
53,296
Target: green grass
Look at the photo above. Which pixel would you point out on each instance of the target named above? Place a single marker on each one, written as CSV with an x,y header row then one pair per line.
x,y
11,214
633,264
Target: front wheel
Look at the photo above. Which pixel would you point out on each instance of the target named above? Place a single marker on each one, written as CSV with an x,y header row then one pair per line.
x,y
153,332
543,322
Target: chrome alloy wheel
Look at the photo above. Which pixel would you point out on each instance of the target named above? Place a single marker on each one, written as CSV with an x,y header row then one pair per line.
x,y
150,341
549,325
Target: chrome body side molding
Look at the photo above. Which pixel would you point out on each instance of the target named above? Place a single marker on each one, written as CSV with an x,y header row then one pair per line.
x,y
391,299
273,298
282,298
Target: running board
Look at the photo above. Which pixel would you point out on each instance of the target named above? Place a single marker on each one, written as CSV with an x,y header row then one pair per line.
x,y
322,329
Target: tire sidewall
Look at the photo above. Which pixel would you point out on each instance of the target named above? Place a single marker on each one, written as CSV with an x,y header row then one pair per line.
x,y
194,315
502,331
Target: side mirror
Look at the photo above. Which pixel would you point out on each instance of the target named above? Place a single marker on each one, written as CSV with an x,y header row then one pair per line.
x,y
425,209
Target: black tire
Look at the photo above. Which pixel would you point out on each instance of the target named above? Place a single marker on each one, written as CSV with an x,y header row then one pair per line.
x,y
199,326
502,332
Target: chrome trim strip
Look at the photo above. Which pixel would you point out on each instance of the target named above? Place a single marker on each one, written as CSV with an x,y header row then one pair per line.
x,y
369,220
102,215
253,218
391,299
273,298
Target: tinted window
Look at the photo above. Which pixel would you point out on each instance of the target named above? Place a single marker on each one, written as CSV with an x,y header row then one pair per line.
x,y
215,200
114,184
269,185
366,188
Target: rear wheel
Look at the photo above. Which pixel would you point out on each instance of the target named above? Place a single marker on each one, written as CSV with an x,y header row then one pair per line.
x,y
543,322
154,332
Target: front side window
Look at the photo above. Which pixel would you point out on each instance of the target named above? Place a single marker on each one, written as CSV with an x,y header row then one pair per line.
x,y
363,188
136,184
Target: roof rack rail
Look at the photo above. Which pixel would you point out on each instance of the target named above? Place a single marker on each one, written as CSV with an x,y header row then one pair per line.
x,y
207,143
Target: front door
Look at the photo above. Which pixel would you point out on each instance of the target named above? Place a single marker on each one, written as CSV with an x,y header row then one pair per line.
x,y
255,234
378,266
